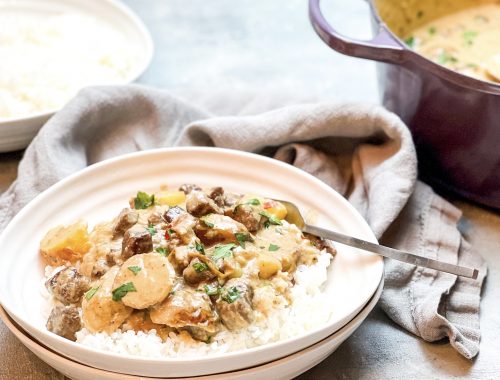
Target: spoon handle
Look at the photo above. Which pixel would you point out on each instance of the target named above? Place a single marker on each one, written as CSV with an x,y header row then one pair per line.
x,y
392,253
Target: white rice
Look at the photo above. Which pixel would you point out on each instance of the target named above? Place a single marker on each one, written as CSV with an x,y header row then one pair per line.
x,y
306,312
47,58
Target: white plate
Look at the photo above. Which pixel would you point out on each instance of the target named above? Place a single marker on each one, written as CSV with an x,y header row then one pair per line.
x,y
100,191
282,369
17,133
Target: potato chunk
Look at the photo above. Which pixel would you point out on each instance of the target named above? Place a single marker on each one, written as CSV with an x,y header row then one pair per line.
x,y
150,275
268,265
65,244
275,208
170,198
99,311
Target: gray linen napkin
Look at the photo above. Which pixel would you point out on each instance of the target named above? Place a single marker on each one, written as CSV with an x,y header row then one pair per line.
x,y
363,151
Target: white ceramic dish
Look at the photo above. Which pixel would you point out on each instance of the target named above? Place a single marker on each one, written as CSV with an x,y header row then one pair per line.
x,y
16,133
282,369
101,190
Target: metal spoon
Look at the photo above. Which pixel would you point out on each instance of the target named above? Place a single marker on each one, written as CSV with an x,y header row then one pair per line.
x,y
294,216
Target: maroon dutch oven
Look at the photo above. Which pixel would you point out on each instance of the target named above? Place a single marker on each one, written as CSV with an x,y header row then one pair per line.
x,y
454,119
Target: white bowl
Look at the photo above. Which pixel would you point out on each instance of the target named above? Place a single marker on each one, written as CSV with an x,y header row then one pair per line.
x,y
281,369
17,133
100,191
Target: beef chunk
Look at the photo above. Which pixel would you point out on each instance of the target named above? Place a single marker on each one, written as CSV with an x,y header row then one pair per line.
x,y
217,195
126,219
321,244
136,240
230,199
248,216
173,213
235,304
183,227
196,272
67,285
199,204
64,321
156,215
188,187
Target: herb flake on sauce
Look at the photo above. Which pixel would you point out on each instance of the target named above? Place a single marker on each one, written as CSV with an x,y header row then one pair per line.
x,y
212,290
446,57
230,295
273,247
89,294
222,251
143,200
242,238
134,269
469,36
200,248
253,202
271,218
151,229
410,41
200,267
162,251
122,291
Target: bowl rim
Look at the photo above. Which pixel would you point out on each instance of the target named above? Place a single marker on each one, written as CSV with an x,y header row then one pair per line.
x,y
139,70
224,151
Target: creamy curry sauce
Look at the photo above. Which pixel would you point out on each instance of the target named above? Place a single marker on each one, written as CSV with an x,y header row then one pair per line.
x,y
188,260
467,41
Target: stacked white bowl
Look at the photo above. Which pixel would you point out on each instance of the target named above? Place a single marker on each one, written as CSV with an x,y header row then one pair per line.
x,y
354,283
43,77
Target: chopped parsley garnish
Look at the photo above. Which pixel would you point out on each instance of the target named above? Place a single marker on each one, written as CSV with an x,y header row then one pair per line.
x,y
481,18
207,223
472,65
212,290
200,267
222,251
209,339
89,294
162,251
469,36
134,269
273,247
200,248
242,238
151,229
410,41
445,57
122,291
143,200
253,202
271,219
230,295
432,30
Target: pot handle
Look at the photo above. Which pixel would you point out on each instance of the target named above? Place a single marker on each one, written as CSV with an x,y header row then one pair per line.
x,y
383,47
